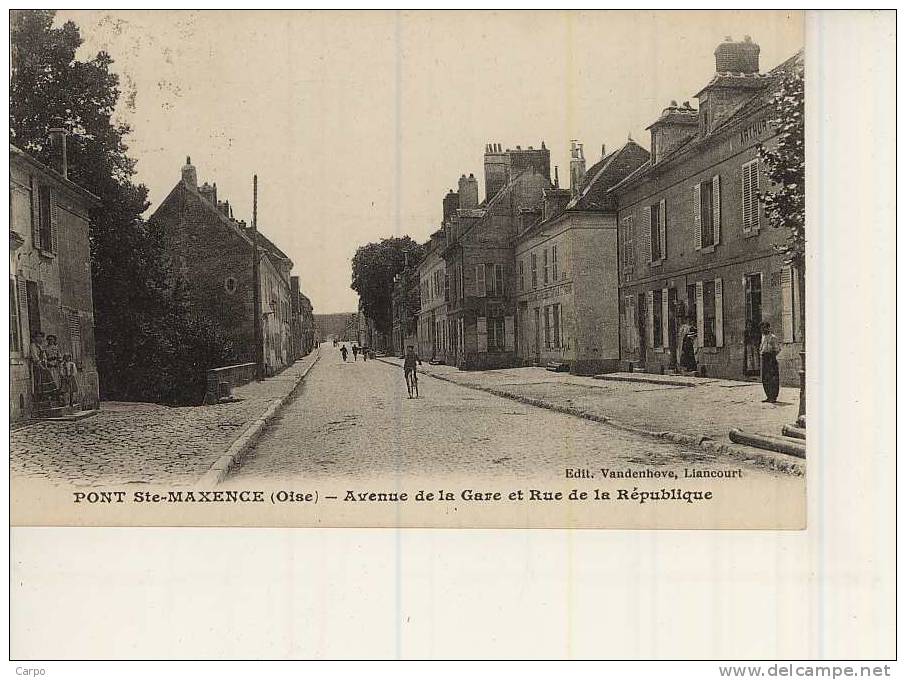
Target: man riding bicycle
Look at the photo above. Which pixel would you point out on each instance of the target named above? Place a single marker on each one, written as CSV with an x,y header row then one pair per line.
x,y
409,371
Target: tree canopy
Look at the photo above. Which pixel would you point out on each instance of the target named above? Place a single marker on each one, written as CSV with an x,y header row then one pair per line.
x,y
784,202
148,345
374,267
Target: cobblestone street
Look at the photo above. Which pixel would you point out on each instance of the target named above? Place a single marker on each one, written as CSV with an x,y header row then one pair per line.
x,y
142,443
354,420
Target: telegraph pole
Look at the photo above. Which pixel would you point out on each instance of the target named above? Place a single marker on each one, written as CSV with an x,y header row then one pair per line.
x,y
256,312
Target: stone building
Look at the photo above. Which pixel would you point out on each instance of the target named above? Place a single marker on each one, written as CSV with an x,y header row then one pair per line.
x,y
212,253
50,277
566,269
479,259
432,317
694,242
302,334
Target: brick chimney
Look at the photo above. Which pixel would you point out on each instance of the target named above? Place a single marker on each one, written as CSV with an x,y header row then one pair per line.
x,y
209,192
58,146
451,203
468,192
496,169
737,57
189,176
576,166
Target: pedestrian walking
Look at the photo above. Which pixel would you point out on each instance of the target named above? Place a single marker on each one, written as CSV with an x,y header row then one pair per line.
x,y
355,352
770,370
364,351
343,351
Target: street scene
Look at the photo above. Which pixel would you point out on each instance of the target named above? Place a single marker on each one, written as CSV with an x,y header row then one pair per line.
x,y
246,302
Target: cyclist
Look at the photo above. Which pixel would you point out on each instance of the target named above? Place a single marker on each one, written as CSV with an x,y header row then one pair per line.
x,y
409,371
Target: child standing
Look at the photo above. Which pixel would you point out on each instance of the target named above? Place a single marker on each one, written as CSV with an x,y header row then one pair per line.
x,y
69,378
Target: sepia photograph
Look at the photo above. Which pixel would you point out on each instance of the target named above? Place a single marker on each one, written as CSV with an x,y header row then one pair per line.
x,y
330,280
452,334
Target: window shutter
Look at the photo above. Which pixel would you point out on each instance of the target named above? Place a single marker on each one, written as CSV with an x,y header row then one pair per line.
x,y
700,312
646,232
480,281
633,324
509,333
35,214
786,306
649,305
22,302
697,215
500,278
665,319
662,225
719,312
715,207
746,199
560,325
54,218
482,326
756,203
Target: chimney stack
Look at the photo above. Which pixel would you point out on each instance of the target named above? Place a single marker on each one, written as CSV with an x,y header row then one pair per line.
x,y
58,146
468,192
737,57
189,176
576,166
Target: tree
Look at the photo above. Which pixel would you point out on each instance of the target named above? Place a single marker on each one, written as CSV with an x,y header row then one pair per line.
x,y
374,267
784,161
142,327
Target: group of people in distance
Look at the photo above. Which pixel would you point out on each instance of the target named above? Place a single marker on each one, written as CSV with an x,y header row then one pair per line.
x,y
356,351
411,360
53,370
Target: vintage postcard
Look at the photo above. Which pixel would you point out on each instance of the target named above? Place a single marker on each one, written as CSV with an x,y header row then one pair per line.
x,y
408,269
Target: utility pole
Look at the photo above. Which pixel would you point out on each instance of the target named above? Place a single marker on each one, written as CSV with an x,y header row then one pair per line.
x,y
256,312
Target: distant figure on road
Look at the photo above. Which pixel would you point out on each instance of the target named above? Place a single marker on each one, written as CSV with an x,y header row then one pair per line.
x,y
409,371
770,371
343,351
364,351
355,352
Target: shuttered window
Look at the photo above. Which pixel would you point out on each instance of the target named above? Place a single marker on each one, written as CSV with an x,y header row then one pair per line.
x,y
480,281
555,322
45,219
712,313
534,270
34,307
482,329
627,248
555,267
15,332
521,276
657,317
75,336
790,304
654,228
546,269
498,280
645,233
750,187
509,333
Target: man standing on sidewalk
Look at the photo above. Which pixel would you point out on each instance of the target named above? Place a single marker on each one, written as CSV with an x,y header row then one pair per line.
x,y
770,370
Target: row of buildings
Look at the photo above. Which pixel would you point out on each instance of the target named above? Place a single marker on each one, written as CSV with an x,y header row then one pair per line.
x,y
212,253
603,275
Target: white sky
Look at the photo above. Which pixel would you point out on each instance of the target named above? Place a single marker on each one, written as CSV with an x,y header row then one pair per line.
x,y
357,123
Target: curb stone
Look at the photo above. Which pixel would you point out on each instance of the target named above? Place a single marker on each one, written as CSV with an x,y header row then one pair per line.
x,y
245,441
779,462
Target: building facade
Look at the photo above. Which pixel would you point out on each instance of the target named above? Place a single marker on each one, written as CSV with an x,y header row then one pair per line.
x,y
479,256
212,253
566,270
50,278
695,246
432,317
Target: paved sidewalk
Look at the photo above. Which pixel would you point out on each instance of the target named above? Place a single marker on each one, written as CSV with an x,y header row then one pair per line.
x,y
708,407
144,443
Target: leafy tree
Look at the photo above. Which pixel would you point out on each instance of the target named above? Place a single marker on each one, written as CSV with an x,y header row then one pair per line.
x,y
142,329
784,161
374,267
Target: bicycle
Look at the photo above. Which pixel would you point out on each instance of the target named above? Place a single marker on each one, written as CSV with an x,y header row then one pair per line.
x,y
412,383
